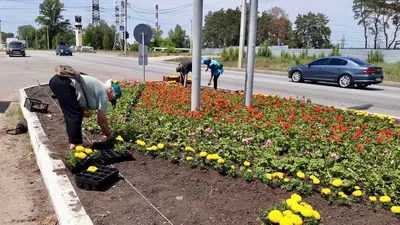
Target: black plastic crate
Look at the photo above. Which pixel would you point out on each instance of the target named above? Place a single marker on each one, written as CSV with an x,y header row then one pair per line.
x,y
109,156
100,180
34,105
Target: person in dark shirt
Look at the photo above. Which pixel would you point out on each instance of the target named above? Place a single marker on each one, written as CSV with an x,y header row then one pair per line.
x,y
184,68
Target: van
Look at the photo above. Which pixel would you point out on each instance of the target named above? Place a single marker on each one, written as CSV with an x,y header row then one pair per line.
x,y
15,48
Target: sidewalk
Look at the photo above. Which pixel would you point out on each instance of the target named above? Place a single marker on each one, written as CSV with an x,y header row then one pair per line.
x,y
23,196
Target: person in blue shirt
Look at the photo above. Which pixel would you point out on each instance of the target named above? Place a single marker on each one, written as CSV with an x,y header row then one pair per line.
x,y
217,69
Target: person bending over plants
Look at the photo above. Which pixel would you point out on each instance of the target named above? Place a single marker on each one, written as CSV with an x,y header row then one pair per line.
x,y
184,68
77,94
216,68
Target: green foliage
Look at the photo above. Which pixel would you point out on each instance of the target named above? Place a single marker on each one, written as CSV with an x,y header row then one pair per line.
x,y
285,55
230,54
321,55
274,27
27,33
66,36
335,51
264,51
178,37
99,37
51,18
375,57
304,53
316,35
4,36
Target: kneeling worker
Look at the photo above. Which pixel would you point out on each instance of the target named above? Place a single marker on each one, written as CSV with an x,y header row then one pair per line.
x,y
184,68
77,94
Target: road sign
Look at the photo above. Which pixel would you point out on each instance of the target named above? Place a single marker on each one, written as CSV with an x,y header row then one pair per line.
x,y
143,56
143,33
121,28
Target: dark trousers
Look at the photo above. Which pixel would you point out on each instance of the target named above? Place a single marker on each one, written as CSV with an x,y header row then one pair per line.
x,y
215,78
73,114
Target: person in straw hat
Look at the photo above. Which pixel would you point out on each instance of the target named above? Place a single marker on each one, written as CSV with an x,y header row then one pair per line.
x,y
77,94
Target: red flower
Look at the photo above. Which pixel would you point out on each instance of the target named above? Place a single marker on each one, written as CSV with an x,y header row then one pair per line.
x,y
359,147
313,139
379,140
367,140
286,132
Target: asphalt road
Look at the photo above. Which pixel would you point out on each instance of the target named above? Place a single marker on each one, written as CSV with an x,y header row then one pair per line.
x,y
16,73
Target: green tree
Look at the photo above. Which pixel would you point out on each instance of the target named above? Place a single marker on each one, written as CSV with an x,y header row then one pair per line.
x,y
274,27
178,36
362,13
222,28
312,31
99,37
51,17
4,36
157,37
27,33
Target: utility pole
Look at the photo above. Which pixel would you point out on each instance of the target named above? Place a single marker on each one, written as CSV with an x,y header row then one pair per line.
x,y
156,17
126,25
242,34
48,39
191,36
251,50
36,44
196,56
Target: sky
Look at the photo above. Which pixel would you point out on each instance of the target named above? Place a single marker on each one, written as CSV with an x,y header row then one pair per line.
x,y
14,13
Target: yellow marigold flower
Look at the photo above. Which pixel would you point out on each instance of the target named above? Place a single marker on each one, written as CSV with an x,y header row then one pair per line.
x,y
152,148
296,207
290,202
268,176
341,193
296,197
316,215
326,191
337,182
307,212
287,213
209,157
343,196
372,198
175,144
357,193
115,81
312,177
249,170
92,169
80,148
395,209
141,143
160,146
88,151
233,167
203,154
221,161
246,163
316,181
278,175
300,175
296,219
286,220
119,138
286,180
189,149
357,187
215,156
189,158
275,216
385,199
80,155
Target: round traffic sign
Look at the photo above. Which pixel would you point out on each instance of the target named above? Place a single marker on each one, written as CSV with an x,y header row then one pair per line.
x,y
140,30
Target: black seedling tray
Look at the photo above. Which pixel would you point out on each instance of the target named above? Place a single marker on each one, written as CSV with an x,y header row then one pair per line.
x,y
100,180
34,105
109,156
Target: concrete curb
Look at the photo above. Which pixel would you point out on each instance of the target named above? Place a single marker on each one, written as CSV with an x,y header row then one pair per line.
x,y
66,203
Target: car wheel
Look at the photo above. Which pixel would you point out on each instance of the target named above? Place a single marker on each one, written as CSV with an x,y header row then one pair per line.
x,y
362,86
297,76
344,81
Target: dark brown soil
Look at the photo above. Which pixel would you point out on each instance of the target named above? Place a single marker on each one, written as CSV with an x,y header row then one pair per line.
x,y
208,198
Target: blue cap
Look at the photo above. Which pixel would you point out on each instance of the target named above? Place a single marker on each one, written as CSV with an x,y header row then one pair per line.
x,y
205,60
117,92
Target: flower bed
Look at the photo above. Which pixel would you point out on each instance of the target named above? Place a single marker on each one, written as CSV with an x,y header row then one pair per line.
x,y
208,198
276,135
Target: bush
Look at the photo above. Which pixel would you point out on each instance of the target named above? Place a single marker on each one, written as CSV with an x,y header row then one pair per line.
x,y
135,47
304,53
375,56
285,55
321,55
230,54
335,51
265,51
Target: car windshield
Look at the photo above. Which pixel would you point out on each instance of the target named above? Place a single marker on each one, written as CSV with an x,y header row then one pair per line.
x,y
15,45
360,62
64,47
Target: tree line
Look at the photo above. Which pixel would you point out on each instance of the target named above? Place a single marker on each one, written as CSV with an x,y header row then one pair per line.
x,y
309,30
376,18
